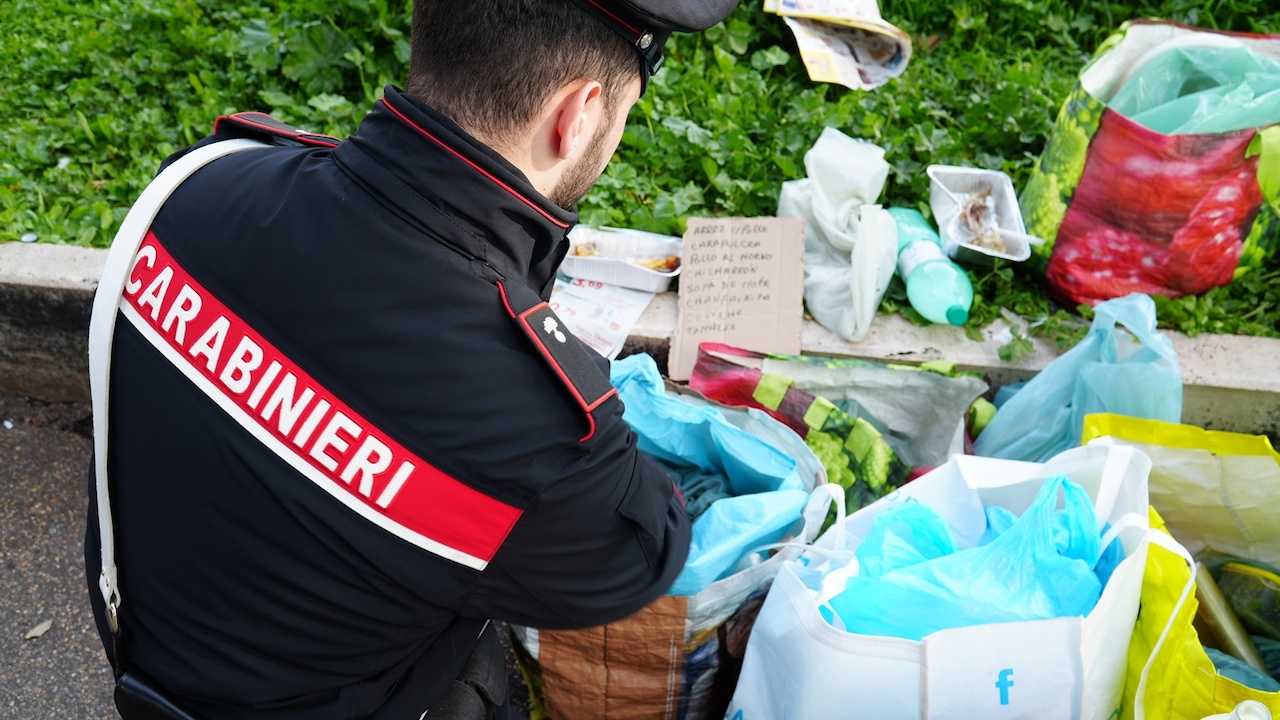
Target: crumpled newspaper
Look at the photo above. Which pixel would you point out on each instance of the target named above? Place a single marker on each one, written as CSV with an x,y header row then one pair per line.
x,y
845,41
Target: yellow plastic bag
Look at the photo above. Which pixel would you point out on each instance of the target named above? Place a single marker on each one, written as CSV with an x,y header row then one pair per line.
x,y
1217,491
1169,675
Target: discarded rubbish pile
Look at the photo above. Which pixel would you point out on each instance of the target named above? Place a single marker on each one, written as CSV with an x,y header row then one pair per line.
x,y
1061,547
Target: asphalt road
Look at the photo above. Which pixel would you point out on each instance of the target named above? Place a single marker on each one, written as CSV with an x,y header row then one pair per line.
x,y
62,673
44,451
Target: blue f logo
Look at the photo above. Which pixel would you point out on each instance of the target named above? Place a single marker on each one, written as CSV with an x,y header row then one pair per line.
x,y
1003,684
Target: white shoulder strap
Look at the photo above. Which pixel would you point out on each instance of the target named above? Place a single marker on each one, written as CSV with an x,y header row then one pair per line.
x,y
102,323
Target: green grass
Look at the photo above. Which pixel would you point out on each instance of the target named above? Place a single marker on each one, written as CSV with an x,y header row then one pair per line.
x,y
94,95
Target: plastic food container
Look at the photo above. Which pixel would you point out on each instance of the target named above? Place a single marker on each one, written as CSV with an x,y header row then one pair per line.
x,y
614,254
950,187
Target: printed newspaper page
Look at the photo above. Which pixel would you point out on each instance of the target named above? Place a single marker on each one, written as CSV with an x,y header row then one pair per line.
x,y
599,314
845,41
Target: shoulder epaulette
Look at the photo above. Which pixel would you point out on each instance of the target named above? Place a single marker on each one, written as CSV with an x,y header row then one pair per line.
x,y
565,354
261,126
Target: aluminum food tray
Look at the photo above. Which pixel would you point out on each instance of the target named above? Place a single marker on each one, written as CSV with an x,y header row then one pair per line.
x,y
949,187
614,246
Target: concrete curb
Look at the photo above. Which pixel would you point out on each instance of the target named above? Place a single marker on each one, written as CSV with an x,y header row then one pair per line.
x,y
1229,382
46,292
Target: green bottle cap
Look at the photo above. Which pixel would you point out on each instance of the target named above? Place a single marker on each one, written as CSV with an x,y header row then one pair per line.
x,y
957,315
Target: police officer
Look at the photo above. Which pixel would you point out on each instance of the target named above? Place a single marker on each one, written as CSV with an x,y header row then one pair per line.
x,y
347,432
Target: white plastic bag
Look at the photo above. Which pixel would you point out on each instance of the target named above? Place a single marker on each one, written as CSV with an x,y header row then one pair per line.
x,y
799,666
851,244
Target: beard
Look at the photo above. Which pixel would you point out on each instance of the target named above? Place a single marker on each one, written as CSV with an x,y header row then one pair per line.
x,y
577,180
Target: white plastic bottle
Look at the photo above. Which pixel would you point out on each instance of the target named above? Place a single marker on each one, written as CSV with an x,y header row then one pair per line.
x,y
1247,710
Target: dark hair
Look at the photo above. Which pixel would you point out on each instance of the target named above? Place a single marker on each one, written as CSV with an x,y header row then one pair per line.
x,y
490,64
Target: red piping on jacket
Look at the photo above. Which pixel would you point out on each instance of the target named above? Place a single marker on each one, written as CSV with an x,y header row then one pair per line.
x,y
477,168
582,403
302,137
591,430
503,292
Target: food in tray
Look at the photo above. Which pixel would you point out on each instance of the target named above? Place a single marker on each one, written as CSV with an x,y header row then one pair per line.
x,y
980,223
663,264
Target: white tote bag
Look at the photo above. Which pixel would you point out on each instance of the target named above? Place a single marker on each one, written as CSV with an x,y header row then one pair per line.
x,y
799,667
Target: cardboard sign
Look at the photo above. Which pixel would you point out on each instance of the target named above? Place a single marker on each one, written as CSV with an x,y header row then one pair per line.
x,y
742,284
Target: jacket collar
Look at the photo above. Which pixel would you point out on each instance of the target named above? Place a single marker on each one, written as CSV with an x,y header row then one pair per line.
x,y
496,215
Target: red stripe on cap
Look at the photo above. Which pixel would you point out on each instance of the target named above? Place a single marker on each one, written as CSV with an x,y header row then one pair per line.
x,y
305,423
477,168
616,19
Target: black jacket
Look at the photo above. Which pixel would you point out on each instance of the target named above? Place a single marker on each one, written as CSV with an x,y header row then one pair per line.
x,y
335,449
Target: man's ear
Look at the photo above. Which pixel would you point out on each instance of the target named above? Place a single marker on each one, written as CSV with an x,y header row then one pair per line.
x,y
578,114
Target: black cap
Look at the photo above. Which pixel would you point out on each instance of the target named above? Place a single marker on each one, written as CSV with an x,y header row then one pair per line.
x,y
647,24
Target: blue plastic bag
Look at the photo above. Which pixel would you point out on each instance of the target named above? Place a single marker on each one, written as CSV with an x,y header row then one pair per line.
x,y
732,527
769,493
684,434
1189,90
907,535
1134,373
1041,567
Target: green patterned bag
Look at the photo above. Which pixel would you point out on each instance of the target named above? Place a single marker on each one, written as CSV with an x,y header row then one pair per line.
x,y
1124,208
869,423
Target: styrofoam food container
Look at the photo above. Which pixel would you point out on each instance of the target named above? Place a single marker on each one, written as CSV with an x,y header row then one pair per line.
x,y
950,186
614,246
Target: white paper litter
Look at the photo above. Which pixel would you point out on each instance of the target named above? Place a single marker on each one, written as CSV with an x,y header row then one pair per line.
x,y
38,630
845,41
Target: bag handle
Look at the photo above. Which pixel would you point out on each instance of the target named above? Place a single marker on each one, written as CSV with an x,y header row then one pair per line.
x,y
1128,521
1266,146
1137,314
835,494
1119,457
106,302
1156,537
815,511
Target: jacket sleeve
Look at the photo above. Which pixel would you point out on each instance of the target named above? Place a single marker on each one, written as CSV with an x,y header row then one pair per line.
x,y
597,545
